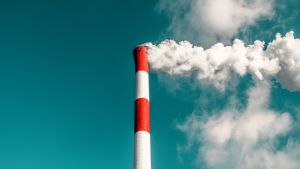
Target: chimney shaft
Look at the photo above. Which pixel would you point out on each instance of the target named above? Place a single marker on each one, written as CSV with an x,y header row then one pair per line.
x,y
142,150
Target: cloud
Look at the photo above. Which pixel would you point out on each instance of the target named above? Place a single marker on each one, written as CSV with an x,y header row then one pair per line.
x,y
247,134
215,20
218,64
246,139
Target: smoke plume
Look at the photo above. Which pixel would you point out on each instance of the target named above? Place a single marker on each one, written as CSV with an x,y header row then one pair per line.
x,y
235,137
218,64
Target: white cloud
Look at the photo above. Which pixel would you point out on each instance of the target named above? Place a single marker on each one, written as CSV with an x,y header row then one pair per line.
x,y
215,19
245,139
232,138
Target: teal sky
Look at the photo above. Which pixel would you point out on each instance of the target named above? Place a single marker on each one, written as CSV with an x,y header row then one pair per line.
x,y
67,85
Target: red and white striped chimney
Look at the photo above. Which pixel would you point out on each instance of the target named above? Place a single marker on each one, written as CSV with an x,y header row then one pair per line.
x,y
142,150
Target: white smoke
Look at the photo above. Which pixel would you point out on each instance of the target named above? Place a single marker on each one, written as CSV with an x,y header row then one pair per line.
x,y
219,63
287,50
246,139
215,20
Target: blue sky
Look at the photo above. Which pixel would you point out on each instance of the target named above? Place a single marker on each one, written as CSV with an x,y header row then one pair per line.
x,y
67,84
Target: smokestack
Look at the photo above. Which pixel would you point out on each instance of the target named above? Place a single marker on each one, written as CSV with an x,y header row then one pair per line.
x,y
142,151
